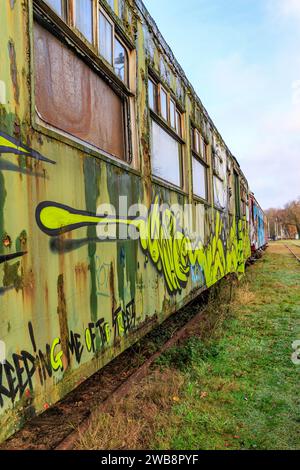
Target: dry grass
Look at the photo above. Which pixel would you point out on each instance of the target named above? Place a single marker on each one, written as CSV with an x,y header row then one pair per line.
x,y
133,421
244,296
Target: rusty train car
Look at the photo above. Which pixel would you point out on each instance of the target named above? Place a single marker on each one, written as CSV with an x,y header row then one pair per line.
x,y
104,144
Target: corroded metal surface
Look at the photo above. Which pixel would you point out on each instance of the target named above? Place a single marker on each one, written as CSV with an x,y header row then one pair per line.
x,y
69,301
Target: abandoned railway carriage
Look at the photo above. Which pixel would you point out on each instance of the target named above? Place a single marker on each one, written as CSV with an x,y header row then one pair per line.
x,y
104,145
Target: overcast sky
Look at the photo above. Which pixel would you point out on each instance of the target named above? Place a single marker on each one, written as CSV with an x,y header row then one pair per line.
x,y
243,59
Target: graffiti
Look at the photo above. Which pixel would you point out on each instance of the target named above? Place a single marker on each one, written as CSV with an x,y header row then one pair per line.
x,y
17,375
5,258
102,276
9,144
197,275
163,241
124,320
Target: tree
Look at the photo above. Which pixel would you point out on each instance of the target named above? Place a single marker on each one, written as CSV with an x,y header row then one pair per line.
x,y
292,214
285,222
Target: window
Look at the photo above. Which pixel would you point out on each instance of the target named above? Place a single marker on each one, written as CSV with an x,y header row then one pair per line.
x,y
58,6
152,95
120,61
199,159
198,144
105,38
166,155
172,114
178,124
111,3
166,134
72,98
163,104
84,18
199,179
111,48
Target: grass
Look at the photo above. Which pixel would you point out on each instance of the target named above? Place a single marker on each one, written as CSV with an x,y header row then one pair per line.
x,y
230,386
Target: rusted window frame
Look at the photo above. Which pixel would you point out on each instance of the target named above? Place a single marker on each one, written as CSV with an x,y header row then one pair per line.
x,y
69,35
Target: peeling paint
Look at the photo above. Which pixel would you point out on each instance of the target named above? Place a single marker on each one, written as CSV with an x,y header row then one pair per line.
x,y
14,69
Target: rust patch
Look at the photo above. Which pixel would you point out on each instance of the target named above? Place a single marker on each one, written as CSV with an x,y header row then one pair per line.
x,y
63,320
13,69
6,240
12,276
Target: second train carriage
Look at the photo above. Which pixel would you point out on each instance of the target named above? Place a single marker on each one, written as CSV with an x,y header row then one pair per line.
x,y
101,134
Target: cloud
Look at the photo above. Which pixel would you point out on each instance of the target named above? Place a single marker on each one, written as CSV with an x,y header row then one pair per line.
x,y
289,7
257,108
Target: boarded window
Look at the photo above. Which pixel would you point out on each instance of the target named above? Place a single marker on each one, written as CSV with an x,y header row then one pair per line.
x,y
199,179
71,97
165,155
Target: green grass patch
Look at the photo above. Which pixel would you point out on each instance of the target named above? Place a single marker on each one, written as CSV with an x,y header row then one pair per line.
x,y
241,388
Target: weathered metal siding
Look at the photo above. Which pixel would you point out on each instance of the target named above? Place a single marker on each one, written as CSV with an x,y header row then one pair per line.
x,y
67,288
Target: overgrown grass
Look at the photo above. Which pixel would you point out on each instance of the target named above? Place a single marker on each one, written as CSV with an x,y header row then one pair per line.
x,y
232,385
242,389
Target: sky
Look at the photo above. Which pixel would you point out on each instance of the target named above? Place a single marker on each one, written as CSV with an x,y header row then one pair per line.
x,y
243,59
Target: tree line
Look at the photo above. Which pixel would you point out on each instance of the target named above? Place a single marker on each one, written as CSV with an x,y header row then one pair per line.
x,y
285,223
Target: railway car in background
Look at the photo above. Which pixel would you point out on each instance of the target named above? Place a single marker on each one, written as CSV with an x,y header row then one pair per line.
x,y
258,225
119,199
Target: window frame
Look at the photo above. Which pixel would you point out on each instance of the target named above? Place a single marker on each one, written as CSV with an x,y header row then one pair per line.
x,y
194,130
155,115
65,31
206,168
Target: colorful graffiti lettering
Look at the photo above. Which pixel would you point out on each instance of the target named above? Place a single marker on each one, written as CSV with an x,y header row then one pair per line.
x,y
9,144
163,240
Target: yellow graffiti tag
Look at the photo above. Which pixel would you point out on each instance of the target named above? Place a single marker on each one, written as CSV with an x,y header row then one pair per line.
x,y
56,359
